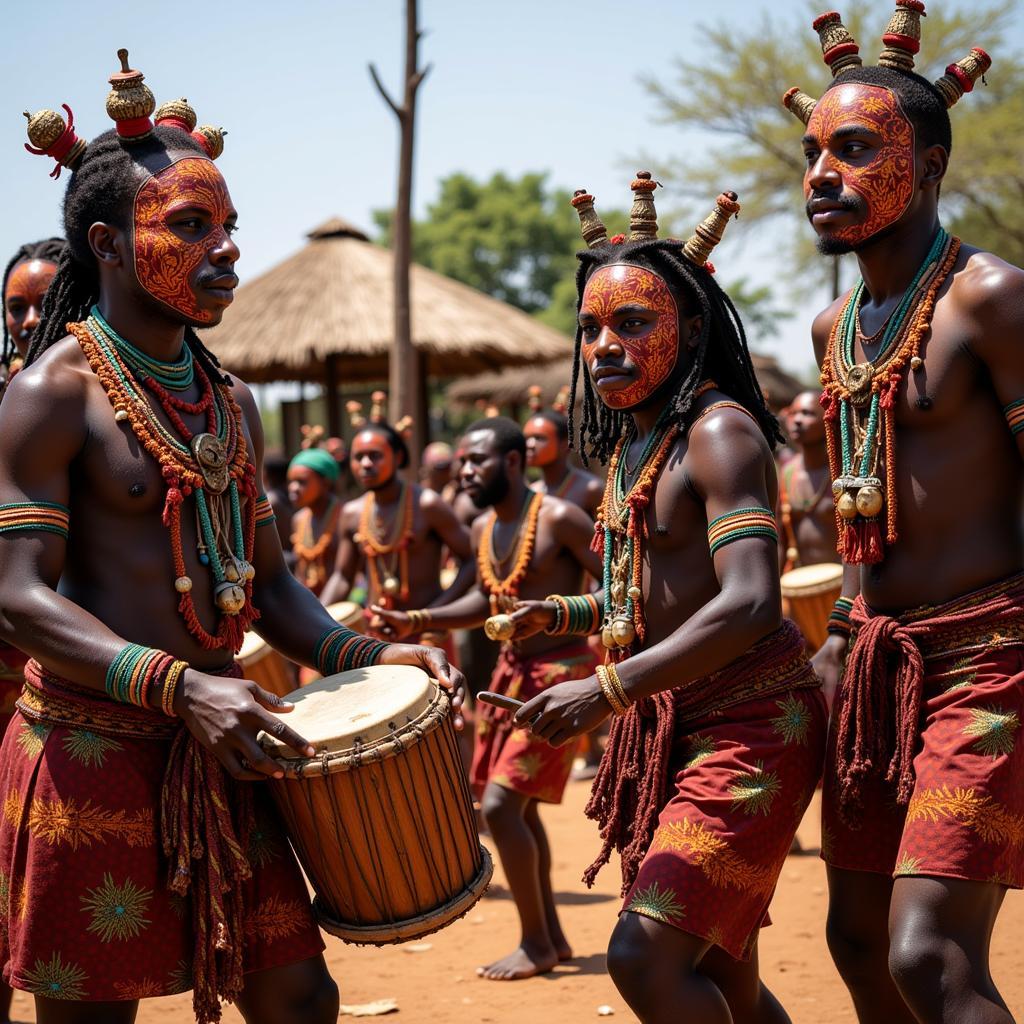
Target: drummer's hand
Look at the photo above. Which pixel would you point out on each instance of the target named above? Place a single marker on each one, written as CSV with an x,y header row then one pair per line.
x,y
434,662
565,711
389,624
226,715
530,617
828,664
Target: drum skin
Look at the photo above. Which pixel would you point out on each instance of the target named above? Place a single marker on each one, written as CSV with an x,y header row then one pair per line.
x,y
383,825
811,591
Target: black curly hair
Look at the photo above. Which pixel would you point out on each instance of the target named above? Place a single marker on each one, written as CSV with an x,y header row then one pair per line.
x,y
721,352
49,249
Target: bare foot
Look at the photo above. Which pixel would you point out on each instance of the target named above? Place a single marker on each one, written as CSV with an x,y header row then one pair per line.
x,y
521,963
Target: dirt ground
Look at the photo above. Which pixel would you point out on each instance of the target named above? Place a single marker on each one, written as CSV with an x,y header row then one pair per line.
x,y
434,980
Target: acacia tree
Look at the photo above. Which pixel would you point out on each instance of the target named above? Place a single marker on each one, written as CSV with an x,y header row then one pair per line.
x,y
734,92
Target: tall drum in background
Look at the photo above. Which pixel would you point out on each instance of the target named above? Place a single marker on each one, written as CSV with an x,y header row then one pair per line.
x,y
264,666
381,818
812,591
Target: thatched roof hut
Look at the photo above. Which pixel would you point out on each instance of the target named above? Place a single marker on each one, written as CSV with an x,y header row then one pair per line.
x,y
511,387
324,314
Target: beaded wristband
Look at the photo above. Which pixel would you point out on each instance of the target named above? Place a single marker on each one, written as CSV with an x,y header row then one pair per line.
x,y
138,674
757,521
264,512
340,650
576,615
35,515
1014,413
839,617
610,694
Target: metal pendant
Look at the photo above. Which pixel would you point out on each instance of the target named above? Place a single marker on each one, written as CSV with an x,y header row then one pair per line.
x,y
858,382
208,451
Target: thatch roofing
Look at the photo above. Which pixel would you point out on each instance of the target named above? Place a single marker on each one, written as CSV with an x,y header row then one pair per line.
x,y
334,297
511,387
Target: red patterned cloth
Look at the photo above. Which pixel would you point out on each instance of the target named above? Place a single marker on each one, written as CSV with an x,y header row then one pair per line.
x,y
514,758
964,816
85,909
739,779
12,676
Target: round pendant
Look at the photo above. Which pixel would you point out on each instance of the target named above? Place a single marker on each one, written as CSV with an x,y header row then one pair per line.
x,y
858,381
232,570
623,631
390,586
847,505
499,628
634,594
209,453
869,501
183,584
607,638
229,598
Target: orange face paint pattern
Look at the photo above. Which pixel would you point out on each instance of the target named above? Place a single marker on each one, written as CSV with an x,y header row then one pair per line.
x,y
23,299
164,262
886,184
654,353
544,450
372,443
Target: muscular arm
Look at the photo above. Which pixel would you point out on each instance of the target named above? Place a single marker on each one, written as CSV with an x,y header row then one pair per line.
x,y
729,466
346,562
574,529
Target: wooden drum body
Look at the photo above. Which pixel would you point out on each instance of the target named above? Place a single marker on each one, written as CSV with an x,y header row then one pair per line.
x,y
382,818
812,591
264,666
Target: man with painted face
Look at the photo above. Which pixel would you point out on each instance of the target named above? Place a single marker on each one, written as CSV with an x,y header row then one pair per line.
x,y
396,534
312,476
718,726
135,551
547,449
529,544
924,782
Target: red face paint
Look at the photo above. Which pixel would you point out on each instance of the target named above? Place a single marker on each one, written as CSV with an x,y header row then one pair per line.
x,y
166,256
373,460
23,299
886,182
541,442
630,309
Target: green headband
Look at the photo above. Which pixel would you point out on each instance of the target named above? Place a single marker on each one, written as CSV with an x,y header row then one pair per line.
x,y
319,461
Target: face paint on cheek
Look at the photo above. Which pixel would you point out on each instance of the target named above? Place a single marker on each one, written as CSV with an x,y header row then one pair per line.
x,y
164,262
545,448
26,289
886,184
385,464
654,354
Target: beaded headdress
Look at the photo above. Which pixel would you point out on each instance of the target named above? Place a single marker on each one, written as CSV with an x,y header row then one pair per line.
x,y
378,415
130,105
901,41
643,221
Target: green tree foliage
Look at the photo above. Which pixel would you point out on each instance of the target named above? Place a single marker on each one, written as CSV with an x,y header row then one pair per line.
x,y
735,90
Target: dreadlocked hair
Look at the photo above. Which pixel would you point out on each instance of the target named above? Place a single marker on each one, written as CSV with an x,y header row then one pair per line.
x,y
721,352
102,189
49,249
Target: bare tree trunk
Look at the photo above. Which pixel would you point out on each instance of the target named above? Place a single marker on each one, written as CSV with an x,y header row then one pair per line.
x,y
405,367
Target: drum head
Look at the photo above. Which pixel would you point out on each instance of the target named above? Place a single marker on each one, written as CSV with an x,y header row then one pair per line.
x,y
812,579
346,613
253,648
355,709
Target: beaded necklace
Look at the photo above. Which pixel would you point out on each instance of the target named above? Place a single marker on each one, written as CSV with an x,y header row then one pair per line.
x,y
860,406
388,580
212,467
175,376
620,529
310,552
504,591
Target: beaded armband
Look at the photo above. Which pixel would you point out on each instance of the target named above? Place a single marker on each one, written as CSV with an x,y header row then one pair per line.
x,y
744,522
340,650
145,677
575,615
612,688
839,617
35,515
1014,413
264,512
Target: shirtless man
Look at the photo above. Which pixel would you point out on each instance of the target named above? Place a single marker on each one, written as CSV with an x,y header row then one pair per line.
x,y
547,449
528,546
925,773
712,754
111,451
396,533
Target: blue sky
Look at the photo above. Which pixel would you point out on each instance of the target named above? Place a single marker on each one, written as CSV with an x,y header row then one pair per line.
x,y
520,86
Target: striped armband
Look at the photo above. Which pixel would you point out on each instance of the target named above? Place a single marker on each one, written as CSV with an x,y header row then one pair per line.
x,y
145,677
35,515
744,522
340,650
575,615
264,512
839,617
1014,413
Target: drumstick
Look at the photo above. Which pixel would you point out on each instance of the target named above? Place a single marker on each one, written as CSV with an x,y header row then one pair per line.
x,y
499,700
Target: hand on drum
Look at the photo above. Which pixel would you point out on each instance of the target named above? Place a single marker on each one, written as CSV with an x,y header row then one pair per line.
x,y
389,624
531,617
565,711
828,664
226,715
434,662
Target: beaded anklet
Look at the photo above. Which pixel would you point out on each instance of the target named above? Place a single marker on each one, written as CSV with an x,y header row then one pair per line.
x,y
145,677
1014,413
340,650
756,521
264,512
35,515
575,615
839,617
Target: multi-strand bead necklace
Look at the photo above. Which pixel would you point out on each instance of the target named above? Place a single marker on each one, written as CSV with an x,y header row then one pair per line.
x,y
387,560
310,551
860,406
504,590
213,467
